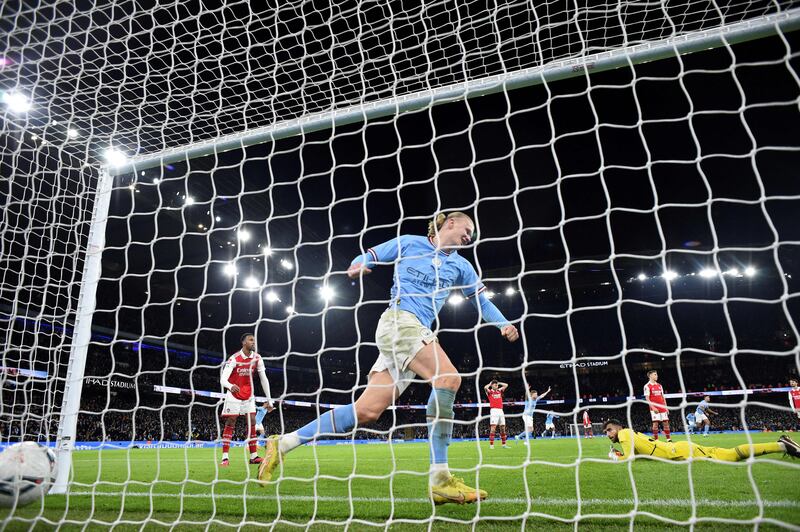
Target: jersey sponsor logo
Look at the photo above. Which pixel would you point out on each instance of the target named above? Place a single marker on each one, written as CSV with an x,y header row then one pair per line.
x,y
426,281
795,397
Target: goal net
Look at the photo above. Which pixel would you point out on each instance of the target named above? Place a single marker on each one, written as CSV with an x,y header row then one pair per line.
x,y
578,430
173,177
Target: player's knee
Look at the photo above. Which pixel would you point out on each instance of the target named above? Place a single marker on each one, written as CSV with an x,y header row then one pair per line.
x,y
451,381
367,414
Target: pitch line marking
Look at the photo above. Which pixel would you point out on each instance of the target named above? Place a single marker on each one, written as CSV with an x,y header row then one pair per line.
x,y
536,501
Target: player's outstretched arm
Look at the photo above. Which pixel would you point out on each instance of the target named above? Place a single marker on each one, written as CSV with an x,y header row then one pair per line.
x,y
385,252
545,393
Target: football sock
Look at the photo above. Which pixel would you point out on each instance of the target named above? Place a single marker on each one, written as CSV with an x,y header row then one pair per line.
x,y
336,421
438,474
253,442
439,413
227,434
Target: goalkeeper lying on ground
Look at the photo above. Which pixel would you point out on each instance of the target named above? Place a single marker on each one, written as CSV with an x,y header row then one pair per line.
x,y
637,443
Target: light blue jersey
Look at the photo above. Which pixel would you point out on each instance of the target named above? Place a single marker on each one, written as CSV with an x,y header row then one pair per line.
x,y
549,419
424,276
690,419
530,406
701,408
261,412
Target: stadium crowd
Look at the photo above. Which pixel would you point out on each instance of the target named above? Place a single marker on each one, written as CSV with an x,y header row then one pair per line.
x,y
200,421
119,401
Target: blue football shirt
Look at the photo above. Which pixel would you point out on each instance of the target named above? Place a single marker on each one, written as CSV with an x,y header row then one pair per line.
x,y
424,277
530,406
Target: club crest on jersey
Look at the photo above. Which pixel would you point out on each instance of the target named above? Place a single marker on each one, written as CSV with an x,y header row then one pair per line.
x,y
437,261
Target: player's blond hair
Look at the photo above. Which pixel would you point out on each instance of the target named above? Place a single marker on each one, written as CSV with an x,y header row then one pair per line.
x,y
436,224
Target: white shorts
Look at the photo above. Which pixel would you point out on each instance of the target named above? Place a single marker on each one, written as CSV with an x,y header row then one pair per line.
x,y
699,418
550,426
237,407
528,421
399,337
659,416
497,417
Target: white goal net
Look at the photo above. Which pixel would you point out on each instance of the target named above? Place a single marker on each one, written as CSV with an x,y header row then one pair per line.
x,y
174,177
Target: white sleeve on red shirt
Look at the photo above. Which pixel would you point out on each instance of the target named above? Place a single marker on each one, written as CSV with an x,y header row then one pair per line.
x,y
227,369
791,402
647,396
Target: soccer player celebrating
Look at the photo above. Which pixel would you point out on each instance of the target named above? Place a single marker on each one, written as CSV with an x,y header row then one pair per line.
x,y
654,395
237,379
794,397
587,425
637,443
701,415
550,424
426,269
527,414
494,390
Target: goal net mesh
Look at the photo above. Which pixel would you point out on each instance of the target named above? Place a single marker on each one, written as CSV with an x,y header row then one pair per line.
x,y
629,219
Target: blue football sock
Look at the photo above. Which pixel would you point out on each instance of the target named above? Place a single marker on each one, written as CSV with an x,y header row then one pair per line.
x,y
261,413
336,421
440,423
705,430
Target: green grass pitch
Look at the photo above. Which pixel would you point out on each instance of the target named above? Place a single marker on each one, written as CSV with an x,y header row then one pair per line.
x,y
372,485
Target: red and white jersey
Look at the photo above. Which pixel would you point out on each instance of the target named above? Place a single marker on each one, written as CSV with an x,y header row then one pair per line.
x,y
654,393
240,369
586,421
794,398
495,398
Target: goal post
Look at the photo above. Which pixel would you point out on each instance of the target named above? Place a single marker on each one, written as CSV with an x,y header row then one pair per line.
x,y
82,334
